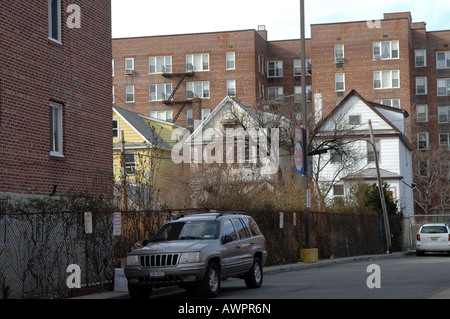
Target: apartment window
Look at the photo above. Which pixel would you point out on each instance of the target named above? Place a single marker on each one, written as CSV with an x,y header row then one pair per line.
x,y
230,61
129,93
197,62
443,60
445,169
160,64
231,88
130,162
56,130
443,87
54,20
160,92
354,120
421,57
421,85
190,117
205,113
386,50
339,53
339,81
112,67
162,115
424,169
444,139
389,102
370,152
115,129
338,190
275,69
386,79
444,114
422,113
200,89
298,67
129,64
276,93
298,93
422,140
113,95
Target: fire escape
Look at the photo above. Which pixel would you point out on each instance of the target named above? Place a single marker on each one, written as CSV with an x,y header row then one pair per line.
x,y
182,76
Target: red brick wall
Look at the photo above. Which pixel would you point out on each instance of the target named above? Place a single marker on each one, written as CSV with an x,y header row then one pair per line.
x,y
34,71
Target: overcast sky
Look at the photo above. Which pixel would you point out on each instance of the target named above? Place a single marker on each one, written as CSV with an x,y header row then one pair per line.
x,y
133,18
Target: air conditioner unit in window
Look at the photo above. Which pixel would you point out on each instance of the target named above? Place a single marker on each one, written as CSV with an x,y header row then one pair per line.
x,y
339,59
129,72
377,57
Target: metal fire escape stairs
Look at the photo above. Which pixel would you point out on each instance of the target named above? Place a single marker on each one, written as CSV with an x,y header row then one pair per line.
x,y
170,100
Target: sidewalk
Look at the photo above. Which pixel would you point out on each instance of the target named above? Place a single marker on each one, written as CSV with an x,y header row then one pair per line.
x,y
267,271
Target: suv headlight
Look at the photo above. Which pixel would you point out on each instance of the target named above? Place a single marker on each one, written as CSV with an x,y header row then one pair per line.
x,y
133,260
190,257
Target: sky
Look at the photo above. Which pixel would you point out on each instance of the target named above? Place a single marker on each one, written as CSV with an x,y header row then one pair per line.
x,y
134,18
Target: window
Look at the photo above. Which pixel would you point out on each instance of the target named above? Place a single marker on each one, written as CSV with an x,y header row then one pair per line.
x,y
421,58
162,115
275,69
231,88
129,93
339,53
444,114
424,169
190,118
443,87
339,80
445,169
160,92
230,61
116,129
385,50
298,67
228,229
421,85
443,60
130,162
56,130
354,120
444,139
422,113
112,67
160,64
205,113
335,157
200,89
370,152
422,141
298,93
241,228
129,64
386,79
338,190
54,20
389,102
276,93
197,62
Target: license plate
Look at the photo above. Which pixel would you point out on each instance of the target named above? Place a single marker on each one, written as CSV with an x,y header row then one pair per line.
x,y
157,273
434,238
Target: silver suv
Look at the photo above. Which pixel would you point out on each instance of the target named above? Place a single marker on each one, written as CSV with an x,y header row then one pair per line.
x,y
196,252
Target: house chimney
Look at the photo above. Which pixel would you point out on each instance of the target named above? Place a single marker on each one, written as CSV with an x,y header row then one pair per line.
x,y
262,31
197,108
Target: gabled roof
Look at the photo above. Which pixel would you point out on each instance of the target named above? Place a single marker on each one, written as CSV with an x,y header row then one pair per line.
x,y
136,122
371,174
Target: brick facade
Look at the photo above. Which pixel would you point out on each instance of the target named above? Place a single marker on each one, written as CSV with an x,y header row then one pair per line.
x,y
74,73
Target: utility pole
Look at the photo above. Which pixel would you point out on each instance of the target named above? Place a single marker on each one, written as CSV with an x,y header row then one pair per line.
x,y
123,172
380,189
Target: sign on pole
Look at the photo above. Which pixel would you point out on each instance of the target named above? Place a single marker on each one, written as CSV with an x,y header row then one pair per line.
x,y
281,220
117,224
299,138
88,222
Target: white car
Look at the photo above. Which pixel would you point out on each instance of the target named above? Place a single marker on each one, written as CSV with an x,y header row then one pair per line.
x,y
433,238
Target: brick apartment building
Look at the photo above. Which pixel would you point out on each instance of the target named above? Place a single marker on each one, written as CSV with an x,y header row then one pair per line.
x,y
393,61
55,96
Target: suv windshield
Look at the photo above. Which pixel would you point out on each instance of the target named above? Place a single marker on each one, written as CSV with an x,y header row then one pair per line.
x,y
188,230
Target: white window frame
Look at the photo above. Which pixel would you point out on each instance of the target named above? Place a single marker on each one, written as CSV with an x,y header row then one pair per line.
x,y
339,81
205,113
447,144
275,69
130,164
445,61
380,46
197,62
370,153
166,115
395,103
230,61
427,167
162,92
128,89
189,117
116,129
231,88
422,113
383,85
423,137
443,114
421,83
446,82
298,67
339,53
126,64
56,129
276,93
51,16
298,93
160,64
200,88
420,53
354,119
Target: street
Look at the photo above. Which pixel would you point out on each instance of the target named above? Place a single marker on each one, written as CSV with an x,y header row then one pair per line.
x,y
408,277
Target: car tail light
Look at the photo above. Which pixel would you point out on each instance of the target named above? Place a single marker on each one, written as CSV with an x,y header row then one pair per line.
x,y
418,237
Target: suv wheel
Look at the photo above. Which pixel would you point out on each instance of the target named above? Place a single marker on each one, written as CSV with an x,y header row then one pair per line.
x,y
210,285
139,292
254,278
